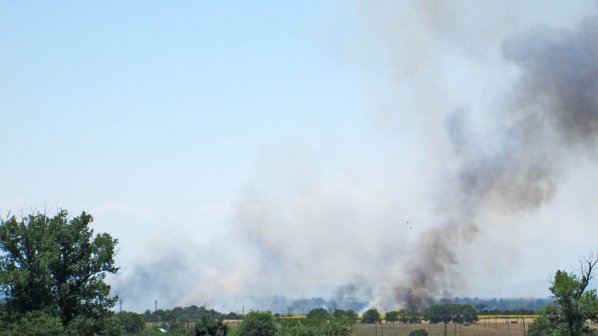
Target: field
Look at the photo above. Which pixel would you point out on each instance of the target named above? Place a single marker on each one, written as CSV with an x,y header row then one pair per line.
x,y
488,327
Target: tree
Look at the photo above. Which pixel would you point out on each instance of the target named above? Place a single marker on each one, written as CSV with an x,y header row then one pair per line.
x,y
338,326
371,316
469,314
257,324
451,312
573,306
392,316
56,265
340,314
35,324
131,323
351,315
318,314
438,313
208,326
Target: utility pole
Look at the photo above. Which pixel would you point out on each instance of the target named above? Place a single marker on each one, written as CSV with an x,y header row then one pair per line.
x,y
121,305
156,312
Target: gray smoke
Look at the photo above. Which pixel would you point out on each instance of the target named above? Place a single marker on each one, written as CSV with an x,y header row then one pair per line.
x,y
551,117
284,305
365,234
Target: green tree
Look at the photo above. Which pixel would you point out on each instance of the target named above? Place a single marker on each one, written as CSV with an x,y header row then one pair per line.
x,y
208,326
573,306
340,314
411,316
371,316
451,312
438,313
56,265
257,324
352,315
469,314
318,314
36,323
339,326
392,316
131,323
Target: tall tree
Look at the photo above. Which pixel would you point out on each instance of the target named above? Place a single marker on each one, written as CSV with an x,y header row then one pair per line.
x,y
371,316
573,306
318,314
257,324
56,264
392,316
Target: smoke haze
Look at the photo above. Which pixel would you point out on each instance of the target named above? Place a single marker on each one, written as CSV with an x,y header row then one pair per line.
x,y
395,235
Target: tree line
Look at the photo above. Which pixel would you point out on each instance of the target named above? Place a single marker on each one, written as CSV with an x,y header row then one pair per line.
x,y
52,272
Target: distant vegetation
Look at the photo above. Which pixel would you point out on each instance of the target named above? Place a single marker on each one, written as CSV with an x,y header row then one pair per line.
x,y
52,272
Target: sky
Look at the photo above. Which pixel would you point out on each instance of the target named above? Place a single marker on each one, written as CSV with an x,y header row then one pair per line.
x,y
269,148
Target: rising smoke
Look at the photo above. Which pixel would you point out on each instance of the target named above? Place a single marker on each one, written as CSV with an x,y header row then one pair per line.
x,y
552,117
320,227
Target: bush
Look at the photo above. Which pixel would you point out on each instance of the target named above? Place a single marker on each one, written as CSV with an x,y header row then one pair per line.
x,y
257,324
318,314
131,323
35,324
207,326
418,332
392,316
371,316
317,327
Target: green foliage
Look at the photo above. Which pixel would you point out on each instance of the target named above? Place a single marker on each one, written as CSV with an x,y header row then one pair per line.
x,y
340,326
418,332
298,328
344,314
340,314
573,306
257,324
318,314
207,326
56,265
410,316
184,314
352,315
451,312
371,316
36,323
392,316
130,322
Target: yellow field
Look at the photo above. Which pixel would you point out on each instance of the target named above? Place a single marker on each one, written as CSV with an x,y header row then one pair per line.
x,y
506,316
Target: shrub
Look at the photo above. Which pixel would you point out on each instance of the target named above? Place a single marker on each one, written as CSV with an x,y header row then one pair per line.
x,y
257,324
418,332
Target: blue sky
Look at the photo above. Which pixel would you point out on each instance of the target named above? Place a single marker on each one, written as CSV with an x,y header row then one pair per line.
x,y
164,119
113,95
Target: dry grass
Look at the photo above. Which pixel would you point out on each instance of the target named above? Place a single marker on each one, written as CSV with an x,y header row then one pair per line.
x,y
488,327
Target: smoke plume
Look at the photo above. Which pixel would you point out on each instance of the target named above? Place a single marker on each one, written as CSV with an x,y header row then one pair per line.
x,y
551,117
393,236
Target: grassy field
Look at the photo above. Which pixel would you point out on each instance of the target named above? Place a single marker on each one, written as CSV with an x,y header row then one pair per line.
x,y
488,327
